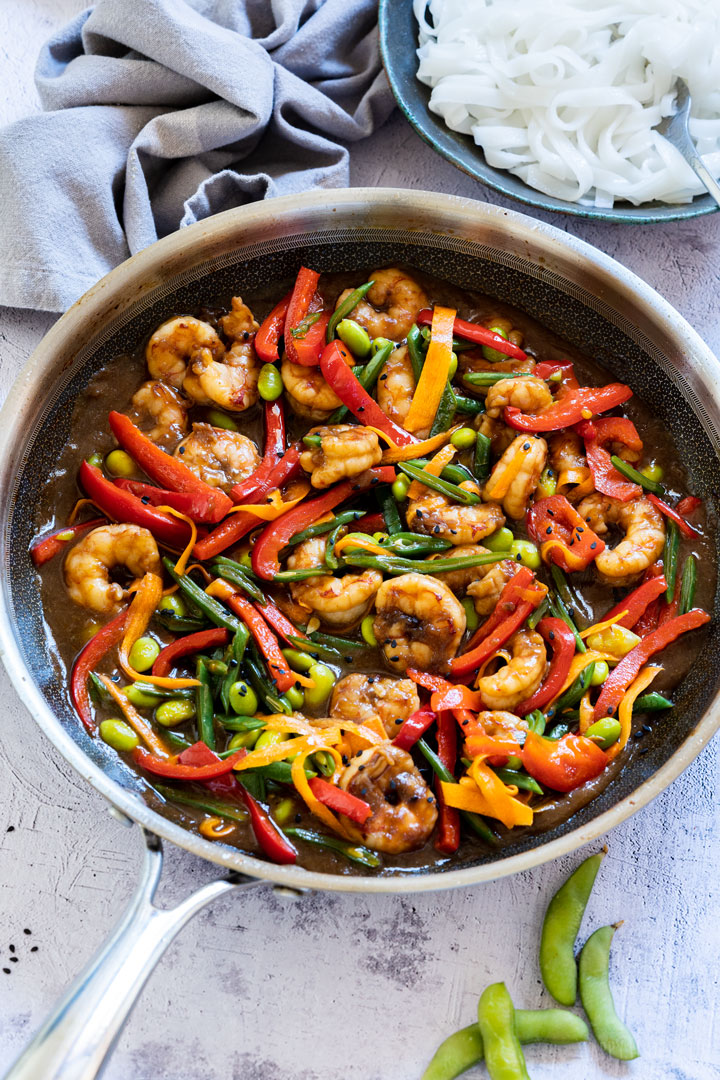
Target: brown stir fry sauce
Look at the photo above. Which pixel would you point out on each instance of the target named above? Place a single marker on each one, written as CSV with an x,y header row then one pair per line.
x,y
420,620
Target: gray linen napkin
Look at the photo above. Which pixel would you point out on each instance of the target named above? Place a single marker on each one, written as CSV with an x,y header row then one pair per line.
x,y
162,112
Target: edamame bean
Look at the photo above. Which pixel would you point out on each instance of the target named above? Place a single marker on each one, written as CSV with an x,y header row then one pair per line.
x,y
175,711
175,604
547,484
366,629
500,540
605,731
452,367
119,735
355,336
143,654
295,696
600,673
496,1020
400,488
243,740
140,699
380,343
472,620
492,354
464,438
270,384
324,679
221,420
245,559
271,738
95,460
525,552
120,464
560,929
653,472
243,699
465,1049
284,811
596,996
298,661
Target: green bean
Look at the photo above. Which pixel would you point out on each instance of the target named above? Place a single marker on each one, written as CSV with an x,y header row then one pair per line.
x,y
179,624
176,741
560,929
215,611
670,558
235,573
323,527
354,852
468,405
496,1020
436,483
489,378
473,821
688,582
390,512
317,650
446,408
536,722
455,474
464,1049
415,350
262,685
558,731
521,780
239,643
411,545
652,702
206,803
346,308
575,691
539,613
240,723
204,703
331,560
637,477
596,996
458,344
299,575
324,763
391,565
558,609
481,463
340,644
563,589
255,785
278,771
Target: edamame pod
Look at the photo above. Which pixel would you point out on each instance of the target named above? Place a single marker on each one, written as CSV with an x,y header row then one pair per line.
x,y
560,929
464,1049
596,996
496,1020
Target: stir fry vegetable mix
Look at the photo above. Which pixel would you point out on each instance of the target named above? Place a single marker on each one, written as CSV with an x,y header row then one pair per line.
x,y
385,525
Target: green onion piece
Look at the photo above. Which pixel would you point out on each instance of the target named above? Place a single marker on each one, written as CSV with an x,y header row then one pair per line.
x,y
299,331
653,702
519,779
670,558
688,582
489,378
636,477
201,802
348,305
474,821
354,852
450,491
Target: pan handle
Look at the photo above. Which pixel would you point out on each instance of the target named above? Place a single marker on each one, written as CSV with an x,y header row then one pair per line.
x,y
75,1041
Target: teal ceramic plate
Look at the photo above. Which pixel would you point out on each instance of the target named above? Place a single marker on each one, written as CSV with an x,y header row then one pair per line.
x,y
398,42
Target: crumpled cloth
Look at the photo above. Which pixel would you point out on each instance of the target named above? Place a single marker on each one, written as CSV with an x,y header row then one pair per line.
x,y
162,112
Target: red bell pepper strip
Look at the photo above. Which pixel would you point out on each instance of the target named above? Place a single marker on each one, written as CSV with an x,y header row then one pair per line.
x,y
276,534
511,594
125,507
637,602
607,479
340,378
110,635
562,764
546,368
446,695
668,611
280,673
370,523
185,502
306,349
414,728
471,331
46,547
577,405
448,836
249,489
562,535
185,646
684,526
279,622
234,527
688,505
503,631
620,678
165,469
174,770
561,640
271,330
342,802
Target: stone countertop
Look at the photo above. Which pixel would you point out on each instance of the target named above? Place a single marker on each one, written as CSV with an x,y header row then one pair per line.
x,y
261,987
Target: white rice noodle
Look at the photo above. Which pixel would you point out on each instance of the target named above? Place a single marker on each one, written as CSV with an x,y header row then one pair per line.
x,y
567,95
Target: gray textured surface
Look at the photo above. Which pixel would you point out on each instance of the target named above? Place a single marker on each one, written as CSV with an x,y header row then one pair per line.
x,y
264,988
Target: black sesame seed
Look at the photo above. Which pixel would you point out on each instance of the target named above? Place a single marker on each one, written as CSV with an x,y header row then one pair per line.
x,y
593,545
12,948
181,449
298,818
145,499
548,531
34,948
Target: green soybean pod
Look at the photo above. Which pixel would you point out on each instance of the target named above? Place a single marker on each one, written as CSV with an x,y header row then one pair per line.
x,y
596,996
560,929
464,1049
496,1020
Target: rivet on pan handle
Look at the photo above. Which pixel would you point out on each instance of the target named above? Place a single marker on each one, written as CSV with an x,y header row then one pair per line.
x,y
76,1039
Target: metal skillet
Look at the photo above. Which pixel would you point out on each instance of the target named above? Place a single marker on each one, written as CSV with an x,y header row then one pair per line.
x,y
572,288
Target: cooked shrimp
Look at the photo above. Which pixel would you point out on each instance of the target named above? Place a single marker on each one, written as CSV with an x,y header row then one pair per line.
x,y
522,675
566,451
221,458
88,565
404,810
528,393
516,475
339,602
396,386
230,380
435,515
391,306
644,530
499,724
500,435
178,342
346,450
308,393
419,623
486,592
160,412
361,697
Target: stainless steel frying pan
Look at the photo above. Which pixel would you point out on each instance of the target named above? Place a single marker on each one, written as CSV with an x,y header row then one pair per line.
x,y
569,286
